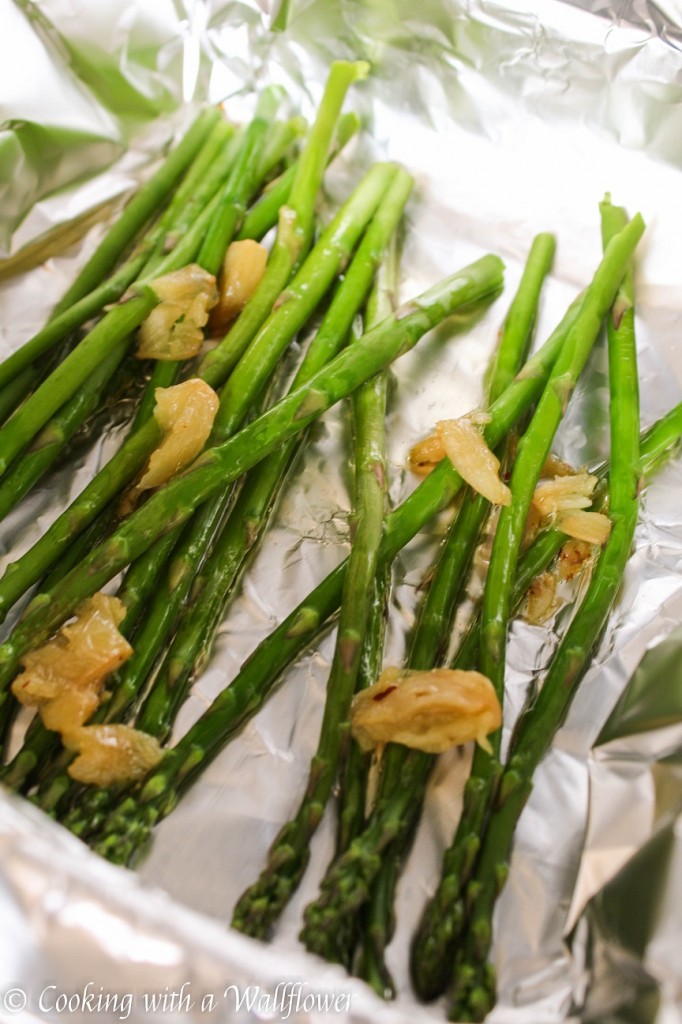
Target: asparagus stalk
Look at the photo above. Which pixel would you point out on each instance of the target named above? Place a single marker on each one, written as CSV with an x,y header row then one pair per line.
x,y
50,442
140,208
260,906
351,799
296,226
75,313
12,394
264,214
324,932
474,988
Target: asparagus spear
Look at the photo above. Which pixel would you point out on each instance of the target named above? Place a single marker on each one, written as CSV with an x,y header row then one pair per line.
x,y
533,450
264,214
140,208
71,313
260,906
50,442
296,225
351,799
474,985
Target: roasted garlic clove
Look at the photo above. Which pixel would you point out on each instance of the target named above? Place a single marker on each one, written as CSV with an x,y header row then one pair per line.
x,y
111,754
428,710
173,329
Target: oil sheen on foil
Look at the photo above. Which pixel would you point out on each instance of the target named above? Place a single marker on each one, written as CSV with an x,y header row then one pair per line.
x,y
514,118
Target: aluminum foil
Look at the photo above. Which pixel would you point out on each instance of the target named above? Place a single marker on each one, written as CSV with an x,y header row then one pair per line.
x,y
514,118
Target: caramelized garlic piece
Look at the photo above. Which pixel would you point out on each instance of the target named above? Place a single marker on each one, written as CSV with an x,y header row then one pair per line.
x,y
185,412
173,329
574,557
592,527
427,710
241,273
469,454
425,455
541,599
65,676
563,493
111,754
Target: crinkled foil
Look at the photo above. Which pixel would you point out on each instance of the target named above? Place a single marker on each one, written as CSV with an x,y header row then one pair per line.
x,y
514,118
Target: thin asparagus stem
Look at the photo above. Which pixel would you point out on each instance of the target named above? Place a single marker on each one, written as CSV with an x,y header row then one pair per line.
x,y
13,393
50,442
138,211
264,214
517,329
354,779
296,226
262,903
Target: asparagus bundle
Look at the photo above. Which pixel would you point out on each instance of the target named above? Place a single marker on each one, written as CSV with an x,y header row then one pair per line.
x,y
474,984
334,244
261,904
246,521
437,612
194,533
